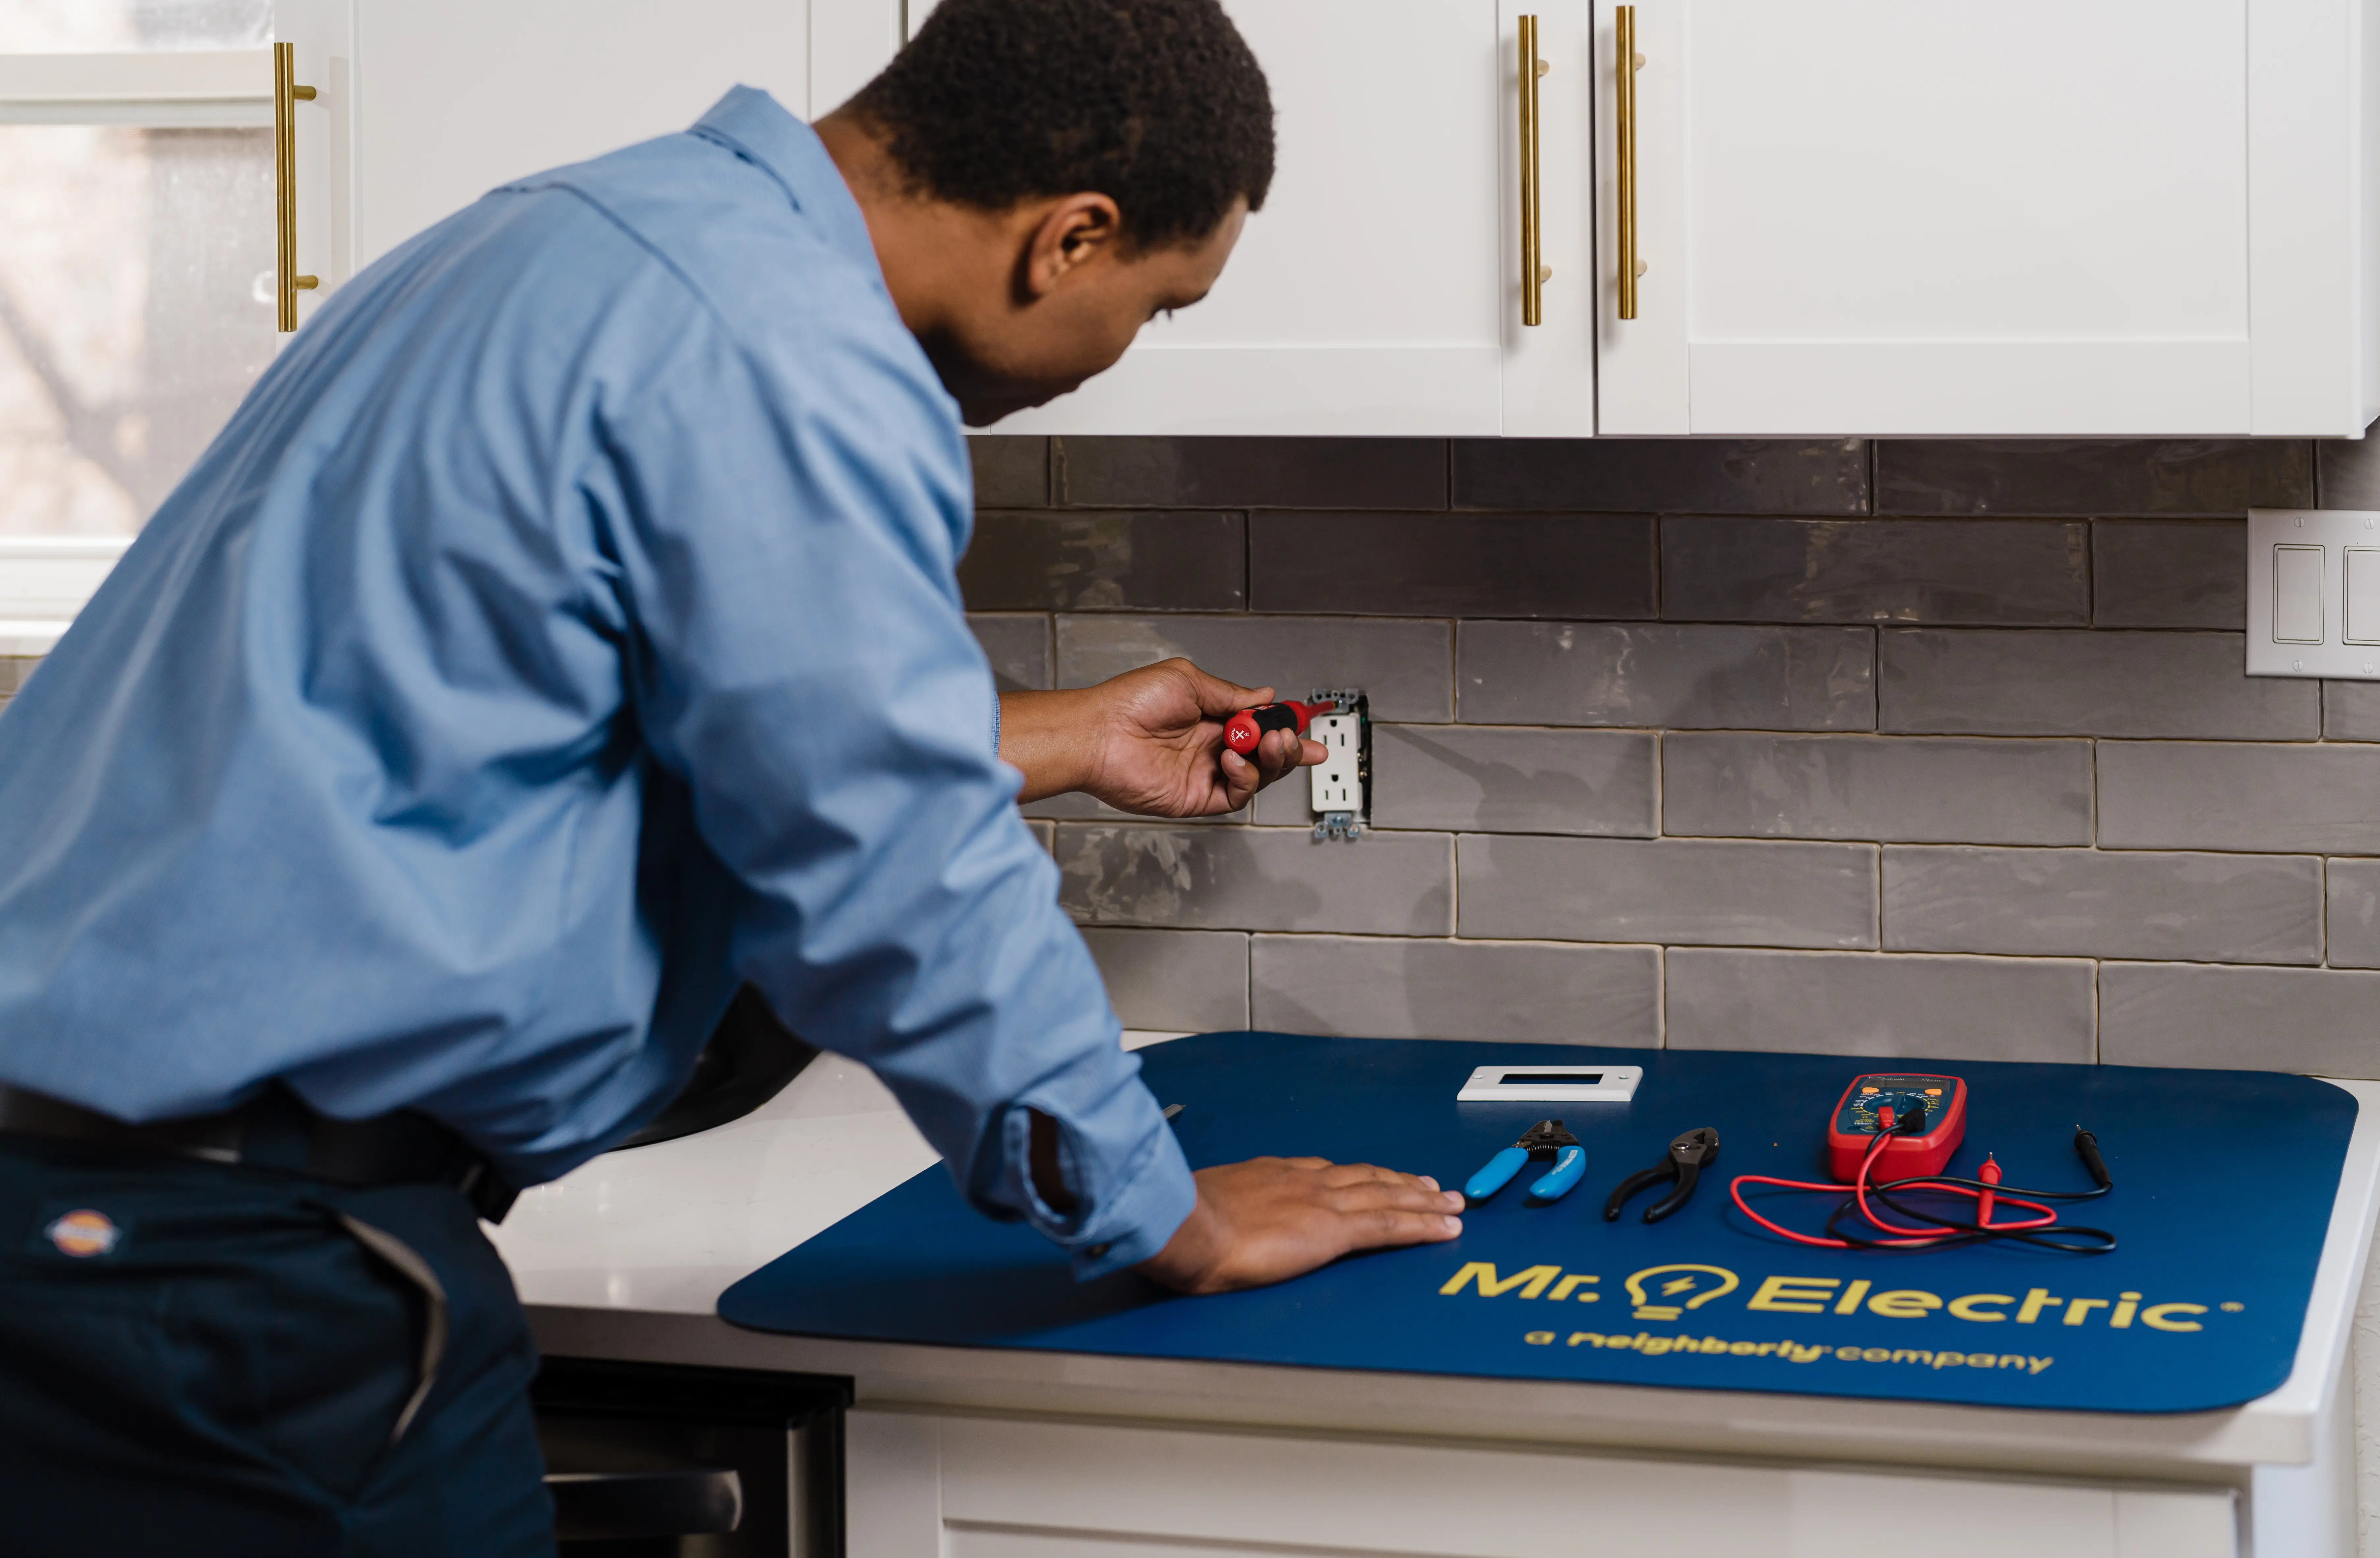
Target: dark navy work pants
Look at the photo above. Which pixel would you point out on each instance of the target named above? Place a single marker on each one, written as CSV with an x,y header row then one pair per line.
x,y
208,1358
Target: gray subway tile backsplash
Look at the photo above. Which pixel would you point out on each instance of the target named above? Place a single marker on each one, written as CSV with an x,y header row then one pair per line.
x,y
1255,879
1395,988
1721,569
2317,1021
1571,566
1124,560
2169,572
1893,1004
1923,790
2187,686
1404,665
2224,795
2351,711
1656,674
2104,904
1911,747
1018,646
1675,891
1174,980
1496,780
1010,472
2352,914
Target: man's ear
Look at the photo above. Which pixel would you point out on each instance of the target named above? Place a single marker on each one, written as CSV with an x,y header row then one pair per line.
x,y
1074,232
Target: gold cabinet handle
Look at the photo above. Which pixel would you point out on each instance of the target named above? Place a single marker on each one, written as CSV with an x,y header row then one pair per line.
x,y
287,95
1623,27
1533,273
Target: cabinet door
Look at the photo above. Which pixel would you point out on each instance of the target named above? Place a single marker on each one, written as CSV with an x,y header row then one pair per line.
x,y
1930,216
1368,296
981,1487
1548,366
450,98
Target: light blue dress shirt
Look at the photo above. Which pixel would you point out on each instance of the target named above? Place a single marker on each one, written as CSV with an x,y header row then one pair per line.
x,y
563,628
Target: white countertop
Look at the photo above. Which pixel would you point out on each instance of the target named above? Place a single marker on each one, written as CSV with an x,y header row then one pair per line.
x,y
626,1258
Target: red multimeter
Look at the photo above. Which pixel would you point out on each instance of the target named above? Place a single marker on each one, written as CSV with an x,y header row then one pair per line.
x,y
1873,1100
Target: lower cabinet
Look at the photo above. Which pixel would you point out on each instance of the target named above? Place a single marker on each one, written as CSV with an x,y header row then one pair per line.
x,y
921,1486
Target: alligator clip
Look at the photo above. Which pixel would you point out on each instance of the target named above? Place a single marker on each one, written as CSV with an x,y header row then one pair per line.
x,y
1544,1141
1683,1162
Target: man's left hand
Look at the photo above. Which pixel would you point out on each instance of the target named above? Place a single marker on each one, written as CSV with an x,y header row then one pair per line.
x,y
1149,741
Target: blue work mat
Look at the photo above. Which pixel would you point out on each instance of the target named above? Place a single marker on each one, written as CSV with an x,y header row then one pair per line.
x,y
2224,1184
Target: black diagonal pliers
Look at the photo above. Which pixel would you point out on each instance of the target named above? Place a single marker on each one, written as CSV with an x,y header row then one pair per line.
x,y
1683,1162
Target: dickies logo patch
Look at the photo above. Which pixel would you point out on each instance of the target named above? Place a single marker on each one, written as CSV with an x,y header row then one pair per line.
x,y
84,1232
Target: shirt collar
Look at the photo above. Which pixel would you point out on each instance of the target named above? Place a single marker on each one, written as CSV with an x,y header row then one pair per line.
x,y
755,127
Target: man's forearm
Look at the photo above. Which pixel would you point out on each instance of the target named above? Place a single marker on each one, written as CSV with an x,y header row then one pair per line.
x,y
1052,737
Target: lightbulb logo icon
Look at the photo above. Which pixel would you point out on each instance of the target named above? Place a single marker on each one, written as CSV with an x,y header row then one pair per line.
x,y
1654,1289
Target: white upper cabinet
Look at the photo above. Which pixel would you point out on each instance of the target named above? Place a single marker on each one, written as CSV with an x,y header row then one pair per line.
x,y
2038,216
424,105
2034,217
1377,291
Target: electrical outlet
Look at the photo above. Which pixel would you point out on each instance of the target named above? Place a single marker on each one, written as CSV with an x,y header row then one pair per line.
x,y
1342,780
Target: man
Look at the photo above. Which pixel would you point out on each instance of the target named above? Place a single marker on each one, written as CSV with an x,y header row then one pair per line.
x,y
562,633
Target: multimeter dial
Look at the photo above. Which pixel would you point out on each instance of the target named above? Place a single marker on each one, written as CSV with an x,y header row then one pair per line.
x,y
1938,1102
1905,1094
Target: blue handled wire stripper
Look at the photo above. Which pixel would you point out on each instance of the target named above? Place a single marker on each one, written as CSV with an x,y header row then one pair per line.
x,y
1544,1141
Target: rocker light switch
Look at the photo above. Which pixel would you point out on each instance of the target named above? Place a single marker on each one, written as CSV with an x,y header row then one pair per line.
x,y
2314,593
2363,595
2297,595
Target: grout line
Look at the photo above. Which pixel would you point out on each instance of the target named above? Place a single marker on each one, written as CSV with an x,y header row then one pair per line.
x,y
2096,965
2094,841
1661,784
1661,997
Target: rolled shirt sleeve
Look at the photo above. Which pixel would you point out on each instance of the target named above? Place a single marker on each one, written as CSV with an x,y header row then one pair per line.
x,y
785,545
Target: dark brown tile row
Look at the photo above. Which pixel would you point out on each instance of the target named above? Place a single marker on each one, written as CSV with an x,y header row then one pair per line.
x,y
1241,473
2029,478
1704,476
2062,477
1580,567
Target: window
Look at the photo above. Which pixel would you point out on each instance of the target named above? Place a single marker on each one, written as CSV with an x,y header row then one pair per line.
x,y
136,272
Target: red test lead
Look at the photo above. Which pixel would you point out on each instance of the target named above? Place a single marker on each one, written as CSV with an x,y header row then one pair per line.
x,y
1242,730
1891,1136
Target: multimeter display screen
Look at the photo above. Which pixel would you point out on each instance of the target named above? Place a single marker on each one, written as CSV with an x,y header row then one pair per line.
x,y
1906,1095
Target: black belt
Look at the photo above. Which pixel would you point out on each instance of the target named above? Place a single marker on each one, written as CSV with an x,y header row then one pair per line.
x,y
277,1130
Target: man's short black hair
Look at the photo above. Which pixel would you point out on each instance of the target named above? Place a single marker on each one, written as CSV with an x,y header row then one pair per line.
x,y
1157,104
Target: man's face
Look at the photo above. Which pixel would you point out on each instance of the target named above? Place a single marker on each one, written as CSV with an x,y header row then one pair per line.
x,y
1066,327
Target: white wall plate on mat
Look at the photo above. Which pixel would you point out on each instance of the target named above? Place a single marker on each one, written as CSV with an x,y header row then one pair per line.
x,y
1552,1084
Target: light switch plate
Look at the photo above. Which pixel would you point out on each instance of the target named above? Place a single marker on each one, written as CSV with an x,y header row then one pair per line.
x,y
2314,593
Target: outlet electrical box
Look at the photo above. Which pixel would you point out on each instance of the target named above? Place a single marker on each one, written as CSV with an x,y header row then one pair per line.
x,y
1342,781
2314,593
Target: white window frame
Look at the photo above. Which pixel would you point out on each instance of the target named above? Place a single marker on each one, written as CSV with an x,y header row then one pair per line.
x,y
45,580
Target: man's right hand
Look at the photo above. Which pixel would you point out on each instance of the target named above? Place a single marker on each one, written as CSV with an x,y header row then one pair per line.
x,y
1270,1219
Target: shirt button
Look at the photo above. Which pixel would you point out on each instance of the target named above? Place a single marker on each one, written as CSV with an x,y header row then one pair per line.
x,y
1099,1251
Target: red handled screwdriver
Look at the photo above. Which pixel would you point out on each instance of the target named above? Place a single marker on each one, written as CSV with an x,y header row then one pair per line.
x,y
1242,730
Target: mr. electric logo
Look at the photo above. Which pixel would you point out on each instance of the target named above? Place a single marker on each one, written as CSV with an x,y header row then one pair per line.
x,y
1667,1294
